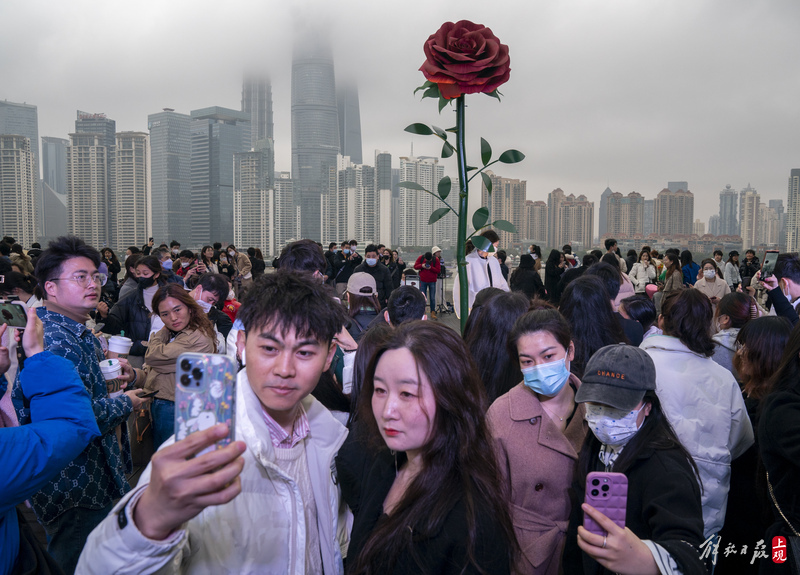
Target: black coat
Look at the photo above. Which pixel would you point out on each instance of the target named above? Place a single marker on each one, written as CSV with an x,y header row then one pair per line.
x,y
552,275
396,270
529,282
445,552
132,316
779,445
383,280
257,267
663,506
344,266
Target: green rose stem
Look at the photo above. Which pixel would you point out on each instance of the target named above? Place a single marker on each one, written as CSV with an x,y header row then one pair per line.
x,y
463,194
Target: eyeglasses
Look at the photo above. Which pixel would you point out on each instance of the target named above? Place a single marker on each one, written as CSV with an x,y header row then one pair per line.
x,y
84,280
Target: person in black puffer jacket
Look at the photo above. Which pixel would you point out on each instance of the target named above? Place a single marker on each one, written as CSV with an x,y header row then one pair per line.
x,y
526,279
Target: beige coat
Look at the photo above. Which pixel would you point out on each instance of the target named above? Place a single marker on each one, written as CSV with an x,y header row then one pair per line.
x,y
539,462
162,355
716,288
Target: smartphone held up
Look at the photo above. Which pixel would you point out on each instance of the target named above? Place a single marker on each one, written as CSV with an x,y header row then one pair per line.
x,y
205,395
608,493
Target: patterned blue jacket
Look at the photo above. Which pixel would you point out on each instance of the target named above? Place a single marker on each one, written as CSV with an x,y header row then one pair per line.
x,y
97,476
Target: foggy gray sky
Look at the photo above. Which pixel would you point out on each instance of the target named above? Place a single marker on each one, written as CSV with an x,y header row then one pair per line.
x,y
628,94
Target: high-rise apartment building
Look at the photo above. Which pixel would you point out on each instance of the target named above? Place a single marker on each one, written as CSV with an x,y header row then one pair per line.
x,y
88,188
648,223
416,206
23,120
286,212
54,187
713,225
17,189
536,221
257,102
170,176
349,122
106,130
625,215
132,194
253,202
351,209
769,226
570,220
793,212
603,224
315,129
383,189
506,202
217,134
674,212
749,201
728,212
699,228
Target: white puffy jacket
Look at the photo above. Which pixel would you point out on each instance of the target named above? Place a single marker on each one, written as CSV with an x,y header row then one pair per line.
x,y
704,404
254,533
641,276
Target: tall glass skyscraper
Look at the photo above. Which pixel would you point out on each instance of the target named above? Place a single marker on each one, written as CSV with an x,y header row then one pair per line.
x,y
54,186
315,129
349,122
257,101
170,175
23,120
729,212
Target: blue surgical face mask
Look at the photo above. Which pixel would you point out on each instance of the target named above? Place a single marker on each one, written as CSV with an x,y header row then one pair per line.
x,y
612,426
547,378
167,264
346,251
371,261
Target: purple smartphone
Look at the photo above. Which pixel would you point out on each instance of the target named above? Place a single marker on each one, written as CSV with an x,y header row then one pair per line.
x,y
608,493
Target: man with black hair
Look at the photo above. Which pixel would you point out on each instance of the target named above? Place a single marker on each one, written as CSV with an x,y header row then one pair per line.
x,y
188,262
257,265
383,277
5,251
272,489
429,267
573,273
35,252
611,248
632,328
73,503
786,292
330,256
405,304
303,256
210,291
344,265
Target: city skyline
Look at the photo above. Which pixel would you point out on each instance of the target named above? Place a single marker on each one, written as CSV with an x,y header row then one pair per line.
x,y
632,113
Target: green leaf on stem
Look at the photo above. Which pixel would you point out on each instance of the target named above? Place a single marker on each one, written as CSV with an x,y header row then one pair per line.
x,y
431,90
480,217
437,215
486,152
412,186
482,243
421,129
439,132
445,185
505,226
447,150
495,94
442,103
511,157
487,181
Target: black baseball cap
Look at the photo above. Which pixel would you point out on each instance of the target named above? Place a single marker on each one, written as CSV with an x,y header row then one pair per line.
x,y
617,375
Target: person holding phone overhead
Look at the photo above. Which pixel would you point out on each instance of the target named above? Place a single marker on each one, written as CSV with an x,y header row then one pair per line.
x,y
631,435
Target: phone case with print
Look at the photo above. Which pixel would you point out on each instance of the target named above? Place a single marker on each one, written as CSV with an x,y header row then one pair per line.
x,y
608,493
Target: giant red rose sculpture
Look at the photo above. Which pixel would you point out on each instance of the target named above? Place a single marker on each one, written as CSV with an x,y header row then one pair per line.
x,y
465,58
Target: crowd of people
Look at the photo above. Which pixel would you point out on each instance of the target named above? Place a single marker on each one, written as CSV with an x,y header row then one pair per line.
x,y
369,440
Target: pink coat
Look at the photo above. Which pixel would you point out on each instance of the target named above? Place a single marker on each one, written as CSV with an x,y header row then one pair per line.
x,y
539,462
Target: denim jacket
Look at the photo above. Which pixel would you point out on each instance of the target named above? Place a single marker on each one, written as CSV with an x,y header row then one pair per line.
x,y
97,476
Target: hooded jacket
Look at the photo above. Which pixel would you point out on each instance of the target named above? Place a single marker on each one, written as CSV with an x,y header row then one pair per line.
x,y
252,534
704,404
725,349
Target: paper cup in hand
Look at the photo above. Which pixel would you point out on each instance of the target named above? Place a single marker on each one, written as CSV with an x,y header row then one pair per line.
x,y
119,346
112,369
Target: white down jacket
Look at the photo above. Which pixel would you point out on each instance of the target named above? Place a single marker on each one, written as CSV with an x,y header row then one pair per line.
x,y
255,532
642,275
704,404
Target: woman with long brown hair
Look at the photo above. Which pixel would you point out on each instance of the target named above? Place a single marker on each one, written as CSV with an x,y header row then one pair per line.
x,y
186,329
433,500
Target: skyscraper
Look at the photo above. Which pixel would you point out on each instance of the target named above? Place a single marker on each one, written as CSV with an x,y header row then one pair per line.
x,y
506,202
728,212
253,201
777,205
315,128
132,194
570,220
87,188
17,189
54,187
383,188
217,134
793,212
536,218
171,176
713,225
554,201
286,216
257,101
649,217
416,206
23,120
749,200
603,224
678,186
106,130
351,208
674,212
349,122
625,215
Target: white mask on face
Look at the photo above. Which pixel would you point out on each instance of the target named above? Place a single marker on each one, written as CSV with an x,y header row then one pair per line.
x,y
206,307
175,251
231,295
614,427
184,264
709,274
231,253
